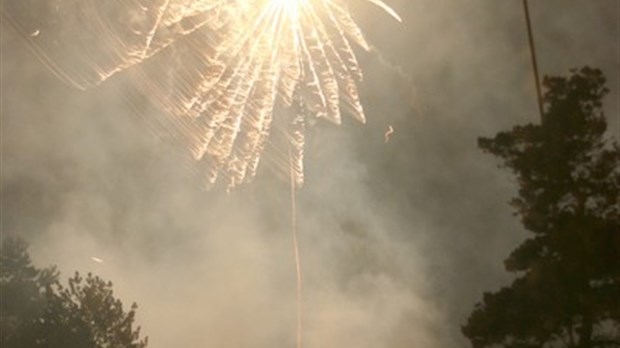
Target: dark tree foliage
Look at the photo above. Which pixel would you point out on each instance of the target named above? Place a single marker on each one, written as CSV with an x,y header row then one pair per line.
x,y
21,288
567,293
38,311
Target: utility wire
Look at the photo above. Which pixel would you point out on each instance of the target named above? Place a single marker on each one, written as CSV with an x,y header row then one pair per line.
x,y
534,60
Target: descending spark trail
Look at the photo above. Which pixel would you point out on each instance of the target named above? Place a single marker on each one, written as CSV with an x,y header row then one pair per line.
x,y
219,68
296,251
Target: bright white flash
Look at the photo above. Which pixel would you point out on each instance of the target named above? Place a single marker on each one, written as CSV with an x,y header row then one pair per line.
x,y
220,69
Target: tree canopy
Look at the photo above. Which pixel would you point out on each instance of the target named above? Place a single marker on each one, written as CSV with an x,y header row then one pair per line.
x,y
567,292
38,311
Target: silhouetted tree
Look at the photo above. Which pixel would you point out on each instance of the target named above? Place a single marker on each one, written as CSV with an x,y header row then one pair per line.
x,y
37,311
21,288
568,288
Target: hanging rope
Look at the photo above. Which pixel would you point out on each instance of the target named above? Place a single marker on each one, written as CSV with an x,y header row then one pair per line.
x,y
534,60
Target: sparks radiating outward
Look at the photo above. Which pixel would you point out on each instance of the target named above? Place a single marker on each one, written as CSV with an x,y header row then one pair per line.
x,y
218,67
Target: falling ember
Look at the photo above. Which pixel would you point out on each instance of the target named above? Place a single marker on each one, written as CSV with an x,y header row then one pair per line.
x,y
388,133
96,259
219,68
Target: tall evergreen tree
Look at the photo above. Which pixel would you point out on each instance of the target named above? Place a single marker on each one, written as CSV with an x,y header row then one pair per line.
x,y
567,293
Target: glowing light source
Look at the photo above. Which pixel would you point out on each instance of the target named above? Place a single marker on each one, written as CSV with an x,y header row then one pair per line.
x,y
219,68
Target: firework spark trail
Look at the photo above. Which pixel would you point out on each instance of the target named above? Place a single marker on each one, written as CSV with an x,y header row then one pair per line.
x,y
217,67
298,277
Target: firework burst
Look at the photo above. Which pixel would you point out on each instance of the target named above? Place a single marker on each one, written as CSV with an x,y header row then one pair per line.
x,y
219,68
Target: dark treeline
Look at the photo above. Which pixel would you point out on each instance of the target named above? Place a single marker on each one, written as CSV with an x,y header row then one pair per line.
x,y
36,310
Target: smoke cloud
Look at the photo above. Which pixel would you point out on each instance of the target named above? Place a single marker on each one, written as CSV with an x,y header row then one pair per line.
x,y
398,240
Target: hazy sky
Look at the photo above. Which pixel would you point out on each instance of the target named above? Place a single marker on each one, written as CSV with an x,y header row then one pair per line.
x,y
398,240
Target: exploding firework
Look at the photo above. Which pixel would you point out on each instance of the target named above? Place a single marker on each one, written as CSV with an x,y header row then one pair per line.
x,y
219,68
